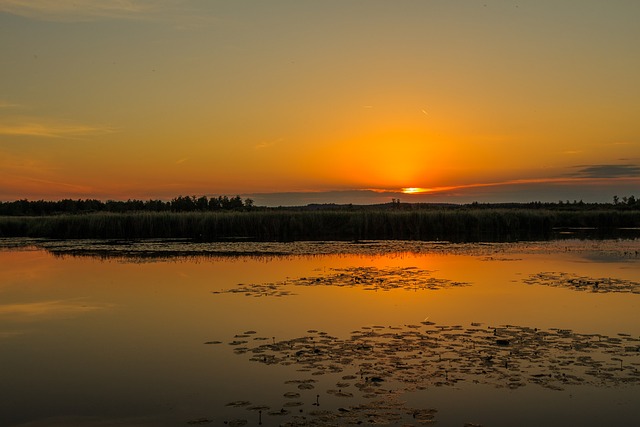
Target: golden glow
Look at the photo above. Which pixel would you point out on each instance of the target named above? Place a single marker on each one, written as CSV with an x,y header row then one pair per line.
x,y
415,190
307,111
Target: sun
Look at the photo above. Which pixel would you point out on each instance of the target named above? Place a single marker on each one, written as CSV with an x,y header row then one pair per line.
x,y
414,190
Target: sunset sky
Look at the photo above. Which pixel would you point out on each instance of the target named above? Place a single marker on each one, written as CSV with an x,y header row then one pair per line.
x,y
299,101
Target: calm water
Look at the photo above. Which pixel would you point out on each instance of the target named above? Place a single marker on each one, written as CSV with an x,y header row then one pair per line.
x,y
87,341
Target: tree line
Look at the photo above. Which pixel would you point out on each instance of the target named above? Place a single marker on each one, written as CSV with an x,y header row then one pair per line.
x,y
178,204
224,203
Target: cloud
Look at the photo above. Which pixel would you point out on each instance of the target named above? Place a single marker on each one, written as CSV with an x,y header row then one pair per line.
x,y
27,176
181,14
7,104
607,171
267,144
85,10
50,129
302,198
587,188
263,145
50,184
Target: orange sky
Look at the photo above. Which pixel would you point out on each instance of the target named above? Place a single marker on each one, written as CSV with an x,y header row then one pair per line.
x,y
290,102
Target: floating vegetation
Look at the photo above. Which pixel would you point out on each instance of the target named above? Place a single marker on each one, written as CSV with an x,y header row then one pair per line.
x,y
378,364
232,423
506,356
384,410
368,278
148,249
239,403
200,421
497,258
583,283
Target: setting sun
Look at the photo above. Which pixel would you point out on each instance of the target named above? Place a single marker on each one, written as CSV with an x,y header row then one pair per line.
x,y
415,190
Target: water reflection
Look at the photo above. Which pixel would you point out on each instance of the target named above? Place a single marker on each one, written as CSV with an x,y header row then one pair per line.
x,y
34,311
115,341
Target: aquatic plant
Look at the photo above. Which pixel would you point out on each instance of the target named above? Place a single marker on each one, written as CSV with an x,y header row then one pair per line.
x,y
583,283
366,278
379,362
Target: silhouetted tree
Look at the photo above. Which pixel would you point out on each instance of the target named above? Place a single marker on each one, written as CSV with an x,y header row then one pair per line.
x,y
202,204
214,204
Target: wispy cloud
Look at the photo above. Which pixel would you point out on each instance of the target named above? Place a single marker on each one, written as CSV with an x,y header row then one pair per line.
x,y
519,190
620,143
263,145
607,171
71,10
70,187
7,104
93,10
453,188
15,187
267,144
519,182
593,178
47,128
85,10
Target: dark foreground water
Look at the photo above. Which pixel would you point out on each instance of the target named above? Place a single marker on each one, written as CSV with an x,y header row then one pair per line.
x,y
397,333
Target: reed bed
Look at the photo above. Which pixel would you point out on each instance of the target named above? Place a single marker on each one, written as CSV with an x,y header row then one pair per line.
x,y
290,225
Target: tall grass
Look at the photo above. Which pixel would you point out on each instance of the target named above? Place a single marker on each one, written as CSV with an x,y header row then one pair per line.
x,y
289,225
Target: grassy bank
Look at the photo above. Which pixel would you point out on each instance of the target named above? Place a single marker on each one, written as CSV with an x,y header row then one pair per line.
x,y
282,225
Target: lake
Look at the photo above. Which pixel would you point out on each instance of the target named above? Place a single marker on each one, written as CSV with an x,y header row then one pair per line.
x,y
167,333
